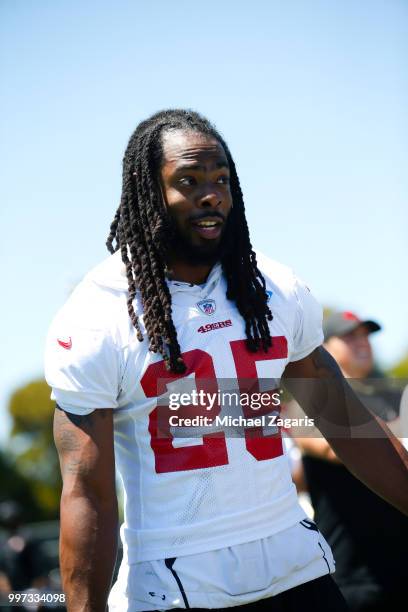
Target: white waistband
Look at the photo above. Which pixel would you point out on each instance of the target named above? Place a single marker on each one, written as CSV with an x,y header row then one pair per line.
x,y
223,531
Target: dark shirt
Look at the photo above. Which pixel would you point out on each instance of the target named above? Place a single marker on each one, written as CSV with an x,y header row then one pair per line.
x,y
369,538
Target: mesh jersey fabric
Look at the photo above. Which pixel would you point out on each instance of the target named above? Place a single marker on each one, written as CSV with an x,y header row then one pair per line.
x,y
217,492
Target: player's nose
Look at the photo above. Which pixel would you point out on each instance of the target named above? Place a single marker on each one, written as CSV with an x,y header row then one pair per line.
x,y
210,198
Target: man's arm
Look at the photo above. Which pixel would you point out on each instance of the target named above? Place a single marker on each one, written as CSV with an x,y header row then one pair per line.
x,y
89,511
317,447
376,456
308,439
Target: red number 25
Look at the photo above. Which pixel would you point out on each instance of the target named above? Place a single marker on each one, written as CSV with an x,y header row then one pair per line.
x,y
213,451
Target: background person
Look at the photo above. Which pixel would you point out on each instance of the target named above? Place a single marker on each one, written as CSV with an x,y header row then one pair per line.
x,y
367,536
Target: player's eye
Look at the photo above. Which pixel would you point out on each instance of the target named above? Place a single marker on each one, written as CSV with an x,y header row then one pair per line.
x,y
223,179
188,180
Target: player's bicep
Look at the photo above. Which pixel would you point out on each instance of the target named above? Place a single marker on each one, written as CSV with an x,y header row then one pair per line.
x,y
86,451
317,365
317,384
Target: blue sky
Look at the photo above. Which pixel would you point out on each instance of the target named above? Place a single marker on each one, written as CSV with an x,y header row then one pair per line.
x,y
310,95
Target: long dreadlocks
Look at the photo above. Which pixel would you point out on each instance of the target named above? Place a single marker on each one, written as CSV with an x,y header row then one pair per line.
x,y
141,228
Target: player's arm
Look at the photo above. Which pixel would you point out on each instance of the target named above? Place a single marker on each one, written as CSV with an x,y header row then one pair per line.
x,y
376,457
89,512
319,447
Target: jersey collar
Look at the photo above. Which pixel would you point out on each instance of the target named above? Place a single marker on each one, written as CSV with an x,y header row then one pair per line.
x,y
213,278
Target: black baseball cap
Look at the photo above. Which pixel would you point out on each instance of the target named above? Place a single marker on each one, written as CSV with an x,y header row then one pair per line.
x,y
342,323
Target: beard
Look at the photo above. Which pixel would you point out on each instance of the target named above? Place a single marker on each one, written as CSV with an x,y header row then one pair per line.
x,y
179,247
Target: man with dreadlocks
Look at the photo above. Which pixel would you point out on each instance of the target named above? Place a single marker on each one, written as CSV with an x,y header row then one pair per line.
x,y
210,521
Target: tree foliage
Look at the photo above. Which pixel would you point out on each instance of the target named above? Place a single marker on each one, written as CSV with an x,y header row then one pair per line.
x,y
400,369
32,447
18,488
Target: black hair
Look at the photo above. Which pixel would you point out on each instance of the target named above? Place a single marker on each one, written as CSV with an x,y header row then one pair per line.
x,y
141,229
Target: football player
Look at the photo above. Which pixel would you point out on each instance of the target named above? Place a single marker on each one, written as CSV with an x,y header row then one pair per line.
x,y
210,521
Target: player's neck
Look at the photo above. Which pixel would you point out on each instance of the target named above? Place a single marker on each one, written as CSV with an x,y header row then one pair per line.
x,y
187,273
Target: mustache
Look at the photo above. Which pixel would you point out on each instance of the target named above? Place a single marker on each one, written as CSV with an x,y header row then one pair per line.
x,y
208,215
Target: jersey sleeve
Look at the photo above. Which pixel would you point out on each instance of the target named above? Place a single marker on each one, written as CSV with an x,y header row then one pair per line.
x,y
308,333
82,363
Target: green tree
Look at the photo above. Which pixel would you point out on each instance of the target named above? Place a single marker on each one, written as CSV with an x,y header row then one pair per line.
x,y
16,487
400,369
32,446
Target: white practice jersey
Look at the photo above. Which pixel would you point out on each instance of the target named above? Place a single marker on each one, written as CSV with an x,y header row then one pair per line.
x,y
190,495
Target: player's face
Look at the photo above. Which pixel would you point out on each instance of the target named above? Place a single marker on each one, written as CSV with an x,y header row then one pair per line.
x,y
353,352
195,185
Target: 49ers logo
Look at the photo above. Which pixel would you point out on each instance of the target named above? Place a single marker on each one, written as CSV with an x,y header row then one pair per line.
x,y
210,326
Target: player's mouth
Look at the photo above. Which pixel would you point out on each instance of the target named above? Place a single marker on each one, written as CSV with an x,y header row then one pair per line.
x,y
209,228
